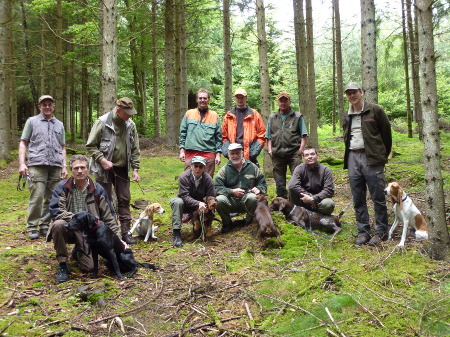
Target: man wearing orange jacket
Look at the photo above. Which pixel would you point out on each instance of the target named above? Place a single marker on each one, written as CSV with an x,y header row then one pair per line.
x,y
245,126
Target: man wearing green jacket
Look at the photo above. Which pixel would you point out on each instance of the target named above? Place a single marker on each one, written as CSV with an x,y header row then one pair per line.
x,y
237,184
368,142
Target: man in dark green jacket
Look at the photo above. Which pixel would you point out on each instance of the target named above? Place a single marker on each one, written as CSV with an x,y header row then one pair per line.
x,y
368,142
237,184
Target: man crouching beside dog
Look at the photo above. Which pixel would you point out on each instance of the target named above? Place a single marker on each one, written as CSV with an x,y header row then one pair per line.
x,y
73,195
194,185
238,183
311,185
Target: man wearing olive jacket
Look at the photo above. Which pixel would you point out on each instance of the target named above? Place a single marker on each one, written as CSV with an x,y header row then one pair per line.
x,y
368,142
237,184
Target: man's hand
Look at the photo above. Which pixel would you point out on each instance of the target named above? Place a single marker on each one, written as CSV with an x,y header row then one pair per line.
x,y
217,160
255,190
23,169
64,172
238,192
202,207
182,155
135,176
106,164
307,199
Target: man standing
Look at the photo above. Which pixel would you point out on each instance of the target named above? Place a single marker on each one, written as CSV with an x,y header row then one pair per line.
x,y
201,134
194,185
44,138
368,142
76,194
243,125
286,138
312,185
113,145
237,184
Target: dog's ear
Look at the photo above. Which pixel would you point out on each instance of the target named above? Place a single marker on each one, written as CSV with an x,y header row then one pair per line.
x,y
282,204
400,197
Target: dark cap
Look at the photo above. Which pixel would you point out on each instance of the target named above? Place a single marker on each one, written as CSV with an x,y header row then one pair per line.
x,y
126,104
44,97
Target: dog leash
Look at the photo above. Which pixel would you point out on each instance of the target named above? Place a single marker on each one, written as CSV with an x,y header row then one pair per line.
x,y
25,178
128,179
202,223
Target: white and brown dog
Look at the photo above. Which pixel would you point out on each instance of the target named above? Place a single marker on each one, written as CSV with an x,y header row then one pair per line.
x,y
144,225
406,212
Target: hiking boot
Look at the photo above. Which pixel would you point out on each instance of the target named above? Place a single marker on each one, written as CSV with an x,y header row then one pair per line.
x,y
33,234
225,228
232,215
62,274
187,217
43,231
362,240
376,240
177,238
74,254
128,239
248,219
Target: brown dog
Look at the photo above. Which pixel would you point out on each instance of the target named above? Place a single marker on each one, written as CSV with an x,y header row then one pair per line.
x,y
306,219
262,217
208,217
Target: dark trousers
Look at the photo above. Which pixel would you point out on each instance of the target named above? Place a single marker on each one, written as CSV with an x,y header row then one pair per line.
x,y
363,176
280,165
118,177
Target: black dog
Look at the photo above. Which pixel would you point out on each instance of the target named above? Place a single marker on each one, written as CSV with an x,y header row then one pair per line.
x,y
306,219
104,242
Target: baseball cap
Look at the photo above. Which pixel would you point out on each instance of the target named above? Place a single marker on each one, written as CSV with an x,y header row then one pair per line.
x,y
235,146
126,104
284,94
199,159
44,97
240,91
352,86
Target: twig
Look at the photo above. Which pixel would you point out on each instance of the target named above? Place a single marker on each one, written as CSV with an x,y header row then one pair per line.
x,y
127,311
9,299
334,322
51,323
367,310
203,326
331,333
6,327
252,321
292,305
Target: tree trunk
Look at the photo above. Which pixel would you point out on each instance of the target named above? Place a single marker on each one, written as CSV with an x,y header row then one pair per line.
x,y
108,77
300,53
58,95
339,80
228,90
84,100
369,51
183,60
313,139
5,74
263,73
169,51
438,247
156,114
29,66
413,54
405,63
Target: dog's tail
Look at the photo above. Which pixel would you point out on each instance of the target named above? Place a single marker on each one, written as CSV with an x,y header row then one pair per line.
x,y
345,209
147,265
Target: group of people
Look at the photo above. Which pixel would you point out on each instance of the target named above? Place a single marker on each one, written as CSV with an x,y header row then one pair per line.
x,y
113,147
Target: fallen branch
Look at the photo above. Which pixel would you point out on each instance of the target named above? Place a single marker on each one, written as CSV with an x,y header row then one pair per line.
x,y
202,326
334,322
367,310
6,327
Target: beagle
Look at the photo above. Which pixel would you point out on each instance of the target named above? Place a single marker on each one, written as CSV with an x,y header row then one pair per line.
x,y
407,212
144,225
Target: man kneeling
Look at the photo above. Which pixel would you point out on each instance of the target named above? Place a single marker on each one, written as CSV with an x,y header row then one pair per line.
x,y
237,184
311,185
73,195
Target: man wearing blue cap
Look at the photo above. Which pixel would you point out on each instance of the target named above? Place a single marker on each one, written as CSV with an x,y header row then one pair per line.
x,y
238,183
194,185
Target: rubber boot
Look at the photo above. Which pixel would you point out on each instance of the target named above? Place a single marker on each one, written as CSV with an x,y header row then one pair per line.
x,y
177,238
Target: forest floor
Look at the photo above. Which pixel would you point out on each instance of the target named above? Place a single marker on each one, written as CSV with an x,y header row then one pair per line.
x,y
230,285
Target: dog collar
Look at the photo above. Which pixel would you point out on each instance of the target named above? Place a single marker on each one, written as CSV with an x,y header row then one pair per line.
x,y
292,210
96,226
406,197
